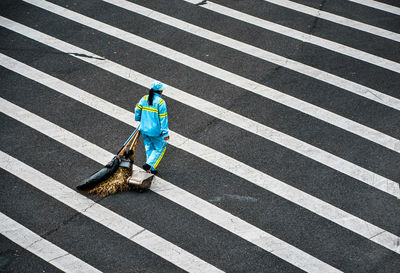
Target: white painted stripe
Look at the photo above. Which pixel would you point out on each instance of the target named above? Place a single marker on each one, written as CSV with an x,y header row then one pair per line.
x,y
204,209
169,191
41,247
196,2
305,37
100,214
378,5
337,19
310,71
307,108
341,165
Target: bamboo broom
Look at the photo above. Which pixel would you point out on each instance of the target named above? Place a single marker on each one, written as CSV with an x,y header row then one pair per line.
x,y
117,182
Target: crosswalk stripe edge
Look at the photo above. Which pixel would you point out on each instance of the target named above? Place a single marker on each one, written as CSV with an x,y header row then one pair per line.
x,y
337,19
42,248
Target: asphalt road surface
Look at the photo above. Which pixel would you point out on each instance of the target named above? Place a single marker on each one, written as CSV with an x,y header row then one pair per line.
x,y
284,119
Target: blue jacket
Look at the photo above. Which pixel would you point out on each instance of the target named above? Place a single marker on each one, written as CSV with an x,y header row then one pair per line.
x,y
153,118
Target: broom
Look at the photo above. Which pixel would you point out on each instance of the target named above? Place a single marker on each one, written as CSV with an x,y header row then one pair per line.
x,y
117,182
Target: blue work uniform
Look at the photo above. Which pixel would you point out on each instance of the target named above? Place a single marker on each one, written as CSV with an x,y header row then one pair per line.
x,y
154,128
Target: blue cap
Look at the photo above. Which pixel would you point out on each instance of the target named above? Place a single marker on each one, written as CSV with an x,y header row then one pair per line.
x,y
157,86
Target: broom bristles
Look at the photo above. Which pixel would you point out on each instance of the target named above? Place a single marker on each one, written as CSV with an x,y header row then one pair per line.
x,y
115,183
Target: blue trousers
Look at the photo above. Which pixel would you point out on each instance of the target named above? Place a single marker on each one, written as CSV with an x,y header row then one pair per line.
x,y
155,148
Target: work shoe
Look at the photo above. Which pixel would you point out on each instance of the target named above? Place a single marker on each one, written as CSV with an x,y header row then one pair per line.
x,y
146,167
155,172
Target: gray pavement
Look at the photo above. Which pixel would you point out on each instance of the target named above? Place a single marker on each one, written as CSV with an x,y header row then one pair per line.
x,y
107,251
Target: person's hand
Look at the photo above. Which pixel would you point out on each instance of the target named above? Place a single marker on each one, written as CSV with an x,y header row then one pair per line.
x,y
166,138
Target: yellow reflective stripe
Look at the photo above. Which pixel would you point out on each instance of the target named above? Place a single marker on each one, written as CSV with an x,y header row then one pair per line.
x,y
145,97
150,109
161,101
139,107
163,115
161,156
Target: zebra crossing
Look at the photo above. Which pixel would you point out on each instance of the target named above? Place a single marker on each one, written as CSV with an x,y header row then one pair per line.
x,y
42,248
261,174
381,6
213,214
337,19
304,37
267,56
249,85
327,159
264,181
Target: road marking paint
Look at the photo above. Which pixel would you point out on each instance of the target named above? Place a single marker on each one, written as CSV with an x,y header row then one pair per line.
x,y
304,37
307,108
42,248
192,202
337,19
96,212
341,165
378,5
187,200
310,71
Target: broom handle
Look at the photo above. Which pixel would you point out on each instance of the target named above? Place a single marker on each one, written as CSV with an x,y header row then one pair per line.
x,y
135,140
131,142
133,146
122,151
129,138
127,141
